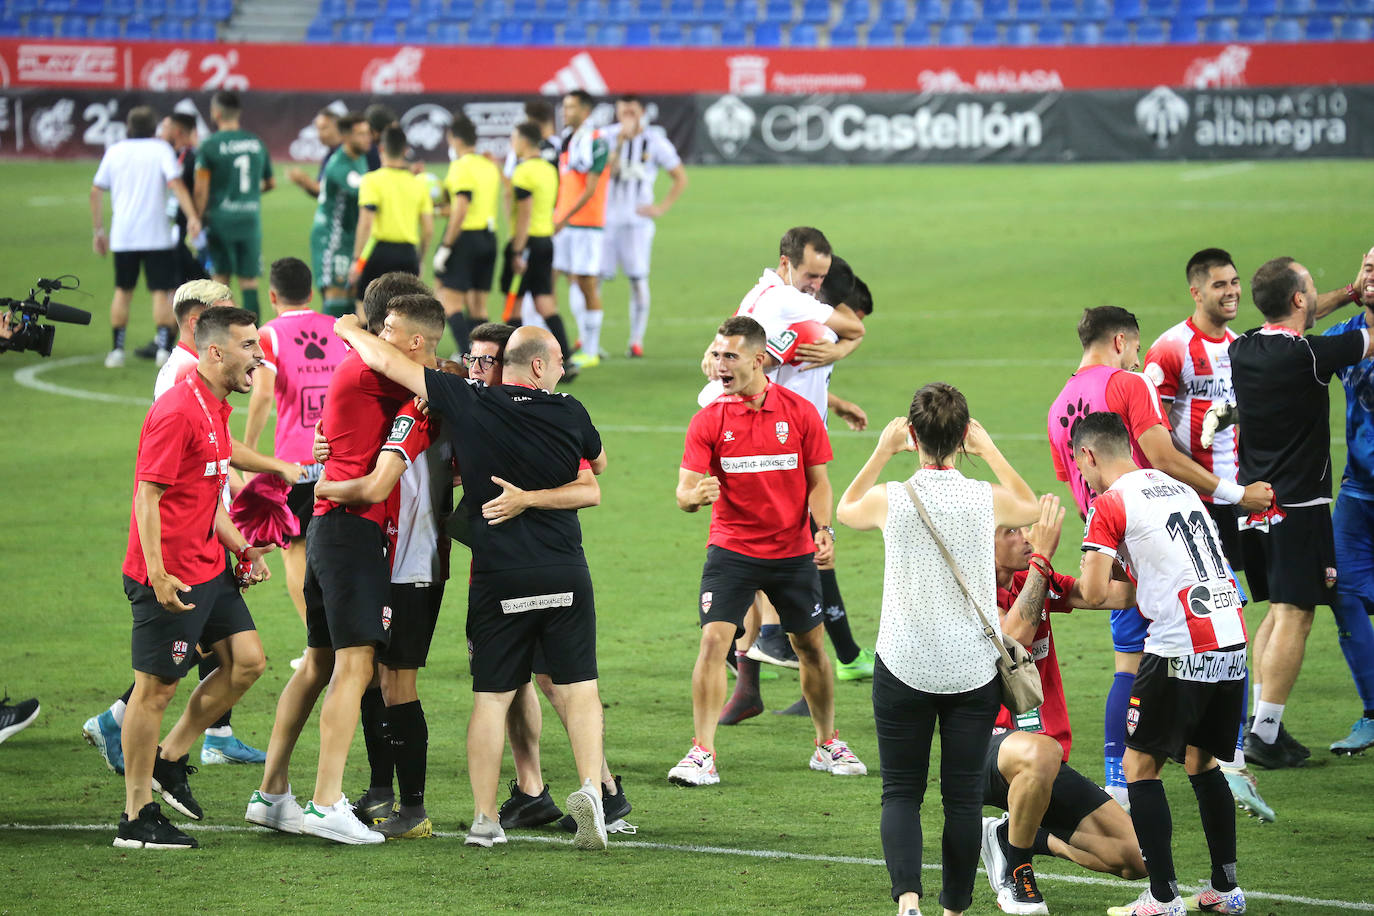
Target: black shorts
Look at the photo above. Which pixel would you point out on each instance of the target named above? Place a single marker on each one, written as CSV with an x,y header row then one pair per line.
x,y
300,501
186,266
1072,797
159,269
472,262
512,612
386,257
729,581
1169,712
164,644
414,613
1294,562
1225,518
538,276
347,582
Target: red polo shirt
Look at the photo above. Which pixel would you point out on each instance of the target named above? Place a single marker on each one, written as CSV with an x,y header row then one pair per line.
x,y
187,451
1052,718
760,457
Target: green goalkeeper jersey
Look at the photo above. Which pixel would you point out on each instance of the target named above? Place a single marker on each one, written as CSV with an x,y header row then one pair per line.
x,y
337,211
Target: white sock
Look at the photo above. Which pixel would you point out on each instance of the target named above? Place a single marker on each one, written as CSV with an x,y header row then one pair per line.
x,y
529,315
276,798
1237,761
577,304
117,710
639,309
1255,693
591,332
223,731
1268,717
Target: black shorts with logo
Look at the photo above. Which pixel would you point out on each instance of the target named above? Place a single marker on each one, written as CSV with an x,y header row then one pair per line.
x,y
1072,797
386,257
472,263
159,269
538,276
347,582
164,643
414,614
729,581
512,612
1196,700
1294,562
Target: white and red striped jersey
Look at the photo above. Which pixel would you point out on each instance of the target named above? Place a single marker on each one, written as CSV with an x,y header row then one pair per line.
x,y
1167,542
1195,371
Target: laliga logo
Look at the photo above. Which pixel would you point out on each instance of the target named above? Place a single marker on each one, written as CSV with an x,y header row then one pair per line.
x,y
51,127
425,126
388,75
729,122
162,74
1161,114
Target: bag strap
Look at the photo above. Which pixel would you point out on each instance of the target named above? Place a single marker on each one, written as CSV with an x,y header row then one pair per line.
x,y
988,630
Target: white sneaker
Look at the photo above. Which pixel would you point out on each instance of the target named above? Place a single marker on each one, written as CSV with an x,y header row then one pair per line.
x,y
835,757
584,805
114,359
1147,905
994,859
486,833
296,662
284,814
337,822
698,768
162,357
1121,795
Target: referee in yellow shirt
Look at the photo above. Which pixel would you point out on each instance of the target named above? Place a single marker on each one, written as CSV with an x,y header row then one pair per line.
x,y
395,217
466,259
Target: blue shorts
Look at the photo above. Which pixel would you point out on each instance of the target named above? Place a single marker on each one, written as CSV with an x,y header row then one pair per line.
x,y
1353,525
1129,627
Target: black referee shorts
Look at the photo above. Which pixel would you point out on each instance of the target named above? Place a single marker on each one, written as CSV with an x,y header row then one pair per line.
x,y
164,643
538,277
729,581
347,583
512,612
386,257
1072,797
472,263
1294,562
159,269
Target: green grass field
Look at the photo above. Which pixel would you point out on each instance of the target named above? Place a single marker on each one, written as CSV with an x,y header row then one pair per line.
x,y
978,274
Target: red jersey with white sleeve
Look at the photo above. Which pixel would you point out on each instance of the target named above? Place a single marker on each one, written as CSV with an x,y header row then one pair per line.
x,y
760,458
1194,371
1167,542
358,411
185,447
181,363
1052,716
791,317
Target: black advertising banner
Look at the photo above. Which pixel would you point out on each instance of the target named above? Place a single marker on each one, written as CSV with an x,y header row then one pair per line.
x,y
56,123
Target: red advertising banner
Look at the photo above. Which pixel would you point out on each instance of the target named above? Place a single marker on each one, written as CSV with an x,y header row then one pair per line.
x,y
381,70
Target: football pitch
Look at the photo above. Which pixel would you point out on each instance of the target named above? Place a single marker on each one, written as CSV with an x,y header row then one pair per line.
x,y
978,275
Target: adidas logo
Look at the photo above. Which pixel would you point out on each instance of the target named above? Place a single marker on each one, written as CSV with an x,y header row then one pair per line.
x,y
580,73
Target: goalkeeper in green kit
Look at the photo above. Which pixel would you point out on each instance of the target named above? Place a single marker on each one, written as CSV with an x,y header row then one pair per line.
x,y
336,216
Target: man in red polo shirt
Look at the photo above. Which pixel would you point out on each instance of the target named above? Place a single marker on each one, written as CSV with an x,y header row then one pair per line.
x,y
757,456
178,583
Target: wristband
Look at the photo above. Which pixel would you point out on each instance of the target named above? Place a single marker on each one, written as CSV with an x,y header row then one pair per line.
x,y
359,264
1043,559
1045,574
1228,492
1352,294
100,230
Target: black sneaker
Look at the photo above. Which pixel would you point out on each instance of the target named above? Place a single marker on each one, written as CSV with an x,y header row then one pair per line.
x,y
373,809
1294,747
1019,894
615,807
151,830
774,649
147,351
169,778
1270,756
14,718
521,810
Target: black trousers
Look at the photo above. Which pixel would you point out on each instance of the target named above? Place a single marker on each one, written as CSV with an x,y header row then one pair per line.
x,y
906,720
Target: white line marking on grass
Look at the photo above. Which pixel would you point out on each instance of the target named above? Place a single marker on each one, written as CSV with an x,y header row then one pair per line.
x,y
1215,171
1358,905
28,377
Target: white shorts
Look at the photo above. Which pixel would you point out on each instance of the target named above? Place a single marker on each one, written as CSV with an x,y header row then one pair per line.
x,y
627,248
577,251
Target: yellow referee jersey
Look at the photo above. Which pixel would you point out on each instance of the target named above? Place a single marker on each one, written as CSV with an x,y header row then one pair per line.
x,y
538,178
476,177
399,197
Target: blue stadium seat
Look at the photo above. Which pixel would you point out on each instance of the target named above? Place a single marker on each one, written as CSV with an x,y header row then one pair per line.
x,y
10,27
802,35
169,30
1128,10
843,35
105,27
777,12
384,33
1160,9
574,32
732,34
620,11
55,7
984,34
894,11
319,32
611,34
461,10
1049,33
997,11
1321,28
182,9
1361,7
953,35
1295,7
40,27
638,35
136,29
767,35
1019,35
1098,11
881,34
1261,8
682,10
332,9
1226,8
366,10
703,36
1182,29
745,11
481,32
1329,7
1252,29
448,33
1030,10
1354,29
855,12
1062,10
90,8
151,9
1220,30
963,11
915,35
219,10
1150,32
73,27
1283,29
1085,33
930,10
543,34
1116,32
713,11
816,12
651,11
669,35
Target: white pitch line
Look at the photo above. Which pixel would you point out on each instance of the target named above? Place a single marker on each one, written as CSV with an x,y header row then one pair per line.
x,y
1357,905
28,377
